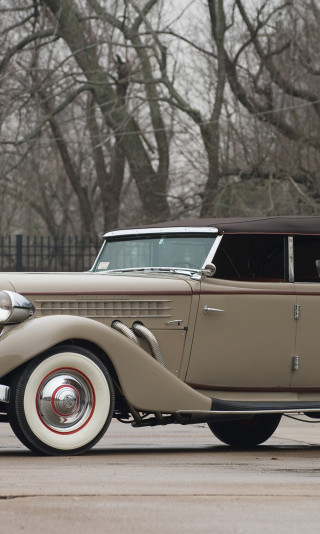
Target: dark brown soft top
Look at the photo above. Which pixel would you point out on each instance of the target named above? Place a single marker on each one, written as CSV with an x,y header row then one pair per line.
x,y
247,225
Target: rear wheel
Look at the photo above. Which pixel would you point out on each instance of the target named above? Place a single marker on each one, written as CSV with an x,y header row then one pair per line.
x,y
246,432
63,401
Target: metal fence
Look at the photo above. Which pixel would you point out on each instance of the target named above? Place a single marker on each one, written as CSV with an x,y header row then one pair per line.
x,y
34,253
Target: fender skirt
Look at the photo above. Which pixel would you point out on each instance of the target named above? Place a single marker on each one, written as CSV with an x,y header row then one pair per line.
x,y
146,384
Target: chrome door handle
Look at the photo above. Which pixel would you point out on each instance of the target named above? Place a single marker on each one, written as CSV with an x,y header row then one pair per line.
x,y
206,309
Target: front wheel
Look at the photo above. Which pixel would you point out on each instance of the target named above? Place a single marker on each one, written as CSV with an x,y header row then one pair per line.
x,y
246,432
63,402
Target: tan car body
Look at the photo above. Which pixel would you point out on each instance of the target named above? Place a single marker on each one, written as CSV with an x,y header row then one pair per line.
x,y
201,355
146,384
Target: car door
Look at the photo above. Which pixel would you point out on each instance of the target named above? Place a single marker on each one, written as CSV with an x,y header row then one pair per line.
x,y
245,328
306,375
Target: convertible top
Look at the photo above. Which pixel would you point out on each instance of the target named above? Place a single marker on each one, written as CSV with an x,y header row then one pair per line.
x,y
247,225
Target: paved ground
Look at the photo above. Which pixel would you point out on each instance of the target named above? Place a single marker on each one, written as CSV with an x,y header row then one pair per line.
x,y
165,480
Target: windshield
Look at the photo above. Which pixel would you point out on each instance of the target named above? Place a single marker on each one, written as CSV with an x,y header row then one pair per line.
x,y
163,250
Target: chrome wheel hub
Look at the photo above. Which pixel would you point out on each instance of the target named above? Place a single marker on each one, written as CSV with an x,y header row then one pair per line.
x,y
65,400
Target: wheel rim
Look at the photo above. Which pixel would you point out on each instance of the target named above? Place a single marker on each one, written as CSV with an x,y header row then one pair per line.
x,y
65,401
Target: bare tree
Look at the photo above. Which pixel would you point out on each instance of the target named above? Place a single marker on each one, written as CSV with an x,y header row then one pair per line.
x,y
270,79
88,75
150,182
124,112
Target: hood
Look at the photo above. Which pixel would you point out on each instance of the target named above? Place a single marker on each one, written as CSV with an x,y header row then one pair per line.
x,y
5,284
93,283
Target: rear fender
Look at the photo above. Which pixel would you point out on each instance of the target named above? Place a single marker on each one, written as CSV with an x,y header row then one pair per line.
x,y
146,384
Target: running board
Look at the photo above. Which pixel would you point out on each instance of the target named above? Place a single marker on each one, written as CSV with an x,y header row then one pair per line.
x,y
222,407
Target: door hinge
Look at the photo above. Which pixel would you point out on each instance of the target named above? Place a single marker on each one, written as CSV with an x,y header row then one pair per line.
x,y
296,311
295,363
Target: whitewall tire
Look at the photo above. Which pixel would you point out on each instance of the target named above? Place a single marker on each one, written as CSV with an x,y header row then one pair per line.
x,y
62,402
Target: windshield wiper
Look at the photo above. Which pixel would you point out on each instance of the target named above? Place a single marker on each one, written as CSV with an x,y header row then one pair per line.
x,y
175,270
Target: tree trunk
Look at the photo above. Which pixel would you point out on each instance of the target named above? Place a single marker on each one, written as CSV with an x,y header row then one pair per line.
x,y
150,187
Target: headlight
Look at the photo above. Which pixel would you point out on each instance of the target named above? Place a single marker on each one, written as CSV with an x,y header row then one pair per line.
x,y
14,308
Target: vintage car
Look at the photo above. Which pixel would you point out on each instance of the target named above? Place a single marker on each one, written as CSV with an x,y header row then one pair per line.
x,y
184,322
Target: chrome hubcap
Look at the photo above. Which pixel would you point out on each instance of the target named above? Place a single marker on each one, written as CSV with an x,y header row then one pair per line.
x,y
65,400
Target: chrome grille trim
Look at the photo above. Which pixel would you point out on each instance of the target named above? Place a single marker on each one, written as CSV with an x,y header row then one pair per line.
x,y
106,308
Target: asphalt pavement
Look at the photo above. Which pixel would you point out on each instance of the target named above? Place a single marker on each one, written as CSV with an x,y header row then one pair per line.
x,y
174,479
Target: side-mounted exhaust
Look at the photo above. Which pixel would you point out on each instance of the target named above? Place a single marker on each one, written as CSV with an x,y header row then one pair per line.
x,y
124,329
138,329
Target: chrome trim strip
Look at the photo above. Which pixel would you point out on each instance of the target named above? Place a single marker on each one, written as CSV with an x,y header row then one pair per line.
x,y
4,394
291,259
96,260
213,250
169,230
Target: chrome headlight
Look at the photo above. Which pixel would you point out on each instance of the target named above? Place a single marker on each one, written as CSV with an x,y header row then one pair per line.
x,y
14,308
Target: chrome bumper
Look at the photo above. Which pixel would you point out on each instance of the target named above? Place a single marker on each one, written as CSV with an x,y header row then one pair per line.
x,y
4,393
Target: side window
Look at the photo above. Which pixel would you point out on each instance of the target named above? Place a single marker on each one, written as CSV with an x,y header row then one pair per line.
x,y
251,257
306,258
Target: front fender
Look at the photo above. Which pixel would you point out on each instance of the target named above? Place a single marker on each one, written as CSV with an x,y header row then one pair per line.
x,y
146,384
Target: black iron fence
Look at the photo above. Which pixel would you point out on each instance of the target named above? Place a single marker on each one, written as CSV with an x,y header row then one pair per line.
x,y
34,253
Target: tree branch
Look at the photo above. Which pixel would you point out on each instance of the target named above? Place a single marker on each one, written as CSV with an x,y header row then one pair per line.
x,y
35,133
22,44
275,74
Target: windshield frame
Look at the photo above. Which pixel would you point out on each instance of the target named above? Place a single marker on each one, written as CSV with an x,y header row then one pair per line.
x,y
156,231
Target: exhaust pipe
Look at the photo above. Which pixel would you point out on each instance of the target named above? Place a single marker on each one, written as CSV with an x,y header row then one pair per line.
x,y
145,333
118,325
